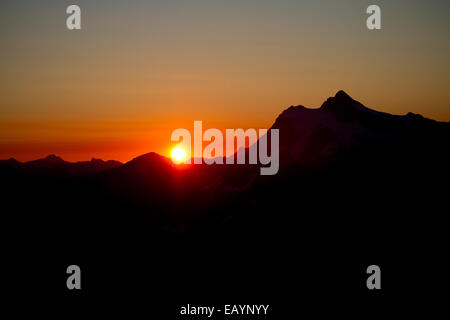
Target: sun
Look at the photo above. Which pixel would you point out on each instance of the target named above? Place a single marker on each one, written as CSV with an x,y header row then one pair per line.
x,y
178,155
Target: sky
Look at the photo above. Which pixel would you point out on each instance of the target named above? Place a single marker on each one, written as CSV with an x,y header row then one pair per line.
x,y
137,70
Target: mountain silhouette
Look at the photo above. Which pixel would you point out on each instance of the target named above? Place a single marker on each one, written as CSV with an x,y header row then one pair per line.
x,y
342,134
55,166
355,187
344,127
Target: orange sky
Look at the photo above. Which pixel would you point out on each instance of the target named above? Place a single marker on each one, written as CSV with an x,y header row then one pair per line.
x,y
138,70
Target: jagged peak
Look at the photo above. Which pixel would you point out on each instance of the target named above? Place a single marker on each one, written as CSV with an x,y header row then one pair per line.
x,y
343,103
53,158
414,115
342,96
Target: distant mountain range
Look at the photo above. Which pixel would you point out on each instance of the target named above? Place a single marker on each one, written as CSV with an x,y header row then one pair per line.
x,y
339,142
341,136
339,127
56,166
355,187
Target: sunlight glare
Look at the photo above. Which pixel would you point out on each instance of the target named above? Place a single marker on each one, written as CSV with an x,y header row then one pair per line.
x,y
178,155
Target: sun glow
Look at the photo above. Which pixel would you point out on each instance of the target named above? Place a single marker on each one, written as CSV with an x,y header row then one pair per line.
x,y
178,155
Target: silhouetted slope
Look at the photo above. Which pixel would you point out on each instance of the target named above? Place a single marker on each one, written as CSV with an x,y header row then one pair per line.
x,y
356,187
145,180
344,128
56,167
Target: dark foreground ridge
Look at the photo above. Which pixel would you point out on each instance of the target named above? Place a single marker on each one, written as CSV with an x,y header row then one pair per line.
x,y
356,187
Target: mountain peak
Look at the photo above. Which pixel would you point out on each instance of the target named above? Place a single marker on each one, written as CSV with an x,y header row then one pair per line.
x,y
53,158
148,158
343,104
341,95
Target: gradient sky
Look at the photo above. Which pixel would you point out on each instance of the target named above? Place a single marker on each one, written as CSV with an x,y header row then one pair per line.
x,y
139,69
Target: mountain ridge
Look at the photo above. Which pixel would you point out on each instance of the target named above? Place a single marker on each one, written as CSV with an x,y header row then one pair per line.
x,y
340,118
